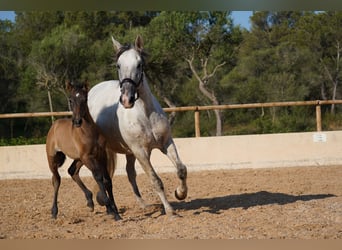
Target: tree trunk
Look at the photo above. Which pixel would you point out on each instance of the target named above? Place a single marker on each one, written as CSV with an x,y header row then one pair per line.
x,y
211,96
170,104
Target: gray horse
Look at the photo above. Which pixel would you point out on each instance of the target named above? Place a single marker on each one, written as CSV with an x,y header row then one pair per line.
x,y
133,121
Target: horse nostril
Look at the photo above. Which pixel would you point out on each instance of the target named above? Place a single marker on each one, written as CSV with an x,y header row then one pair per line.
x,y
77,122
132,99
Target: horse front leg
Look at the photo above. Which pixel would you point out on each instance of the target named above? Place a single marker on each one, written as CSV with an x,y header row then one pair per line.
x,y
144,160
73,171
131,174
171,151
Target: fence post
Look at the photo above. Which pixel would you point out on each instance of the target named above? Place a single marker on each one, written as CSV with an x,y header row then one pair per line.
x,y
318,117
197,124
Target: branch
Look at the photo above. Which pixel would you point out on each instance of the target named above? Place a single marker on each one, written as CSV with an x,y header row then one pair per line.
x,y
328,72
201,84
193,69
215,69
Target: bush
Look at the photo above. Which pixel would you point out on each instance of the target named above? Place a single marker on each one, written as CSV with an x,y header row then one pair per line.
x,y
21,141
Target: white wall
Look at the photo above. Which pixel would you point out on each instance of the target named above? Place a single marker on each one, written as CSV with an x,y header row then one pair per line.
x,y
209,153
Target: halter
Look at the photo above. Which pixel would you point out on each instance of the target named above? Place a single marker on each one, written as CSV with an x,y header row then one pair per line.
x,y
135,84
129,80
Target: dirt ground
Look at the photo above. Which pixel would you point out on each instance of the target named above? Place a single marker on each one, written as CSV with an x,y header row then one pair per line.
x,y
282,203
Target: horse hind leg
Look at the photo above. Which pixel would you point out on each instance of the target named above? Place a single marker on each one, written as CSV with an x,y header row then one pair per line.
x,y
73,171
54,163
131,174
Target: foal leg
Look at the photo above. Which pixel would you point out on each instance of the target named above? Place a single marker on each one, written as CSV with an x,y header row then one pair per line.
x,y
144,160
54,163
73,171
131,174
171,152
99,174
107,181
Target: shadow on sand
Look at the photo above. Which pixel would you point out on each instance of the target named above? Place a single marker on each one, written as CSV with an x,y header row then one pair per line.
x,y
245,201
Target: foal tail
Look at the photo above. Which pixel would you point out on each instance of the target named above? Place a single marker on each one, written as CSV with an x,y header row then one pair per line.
x,y
111,162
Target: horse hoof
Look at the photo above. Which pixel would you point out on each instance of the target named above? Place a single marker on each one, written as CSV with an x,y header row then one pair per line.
x,y
172,214
180,195
91,206
117,217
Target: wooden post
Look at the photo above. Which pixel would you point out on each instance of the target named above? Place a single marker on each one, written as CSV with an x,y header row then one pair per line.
x,y
50,105
318,117
197,124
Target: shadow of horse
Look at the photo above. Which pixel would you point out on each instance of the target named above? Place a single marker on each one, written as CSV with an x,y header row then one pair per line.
x,y
245,201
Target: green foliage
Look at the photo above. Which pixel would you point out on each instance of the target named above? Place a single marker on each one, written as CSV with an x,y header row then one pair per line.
x,y
286,56
21,141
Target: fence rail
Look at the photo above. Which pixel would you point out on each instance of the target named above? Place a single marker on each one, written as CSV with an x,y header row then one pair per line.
x,y
197,109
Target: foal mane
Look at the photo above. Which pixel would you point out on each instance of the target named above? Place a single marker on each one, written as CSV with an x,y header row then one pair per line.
x,y
77,86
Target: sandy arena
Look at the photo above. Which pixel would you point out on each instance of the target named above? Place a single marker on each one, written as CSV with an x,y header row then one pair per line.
x,y
279,203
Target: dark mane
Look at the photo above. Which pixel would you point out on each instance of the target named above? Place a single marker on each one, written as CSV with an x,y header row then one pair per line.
x,y
126,47
123,49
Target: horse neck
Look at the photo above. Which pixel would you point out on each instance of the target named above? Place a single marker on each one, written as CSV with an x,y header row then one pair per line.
x,y
88,122
145,94
88,118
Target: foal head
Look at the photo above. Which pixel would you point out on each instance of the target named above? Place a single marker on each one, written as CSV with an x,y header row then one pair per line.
x,y
130,62
78,101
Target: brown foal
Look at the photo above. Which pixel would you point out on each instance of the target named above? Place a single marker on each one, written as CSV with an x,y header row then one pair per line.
x,y
80,139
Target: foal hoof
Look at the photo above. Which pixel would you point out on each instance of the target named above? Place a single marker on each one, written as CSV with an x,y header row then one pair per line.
x,y
91,208
117,217
180,195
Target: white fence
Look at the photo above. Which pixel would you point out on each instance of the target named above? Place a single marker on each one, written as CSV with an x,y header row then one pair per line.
x,y
204,153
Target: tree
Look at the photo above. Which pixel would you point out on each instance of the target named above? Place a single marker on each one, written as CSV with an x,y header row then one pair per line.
x,y
213,38
331,47
274,63
59,56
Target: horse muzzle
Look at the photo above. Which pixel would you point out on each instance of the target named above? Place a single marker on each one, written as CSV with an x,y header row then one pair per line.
x,y
129,93
127,102
77,122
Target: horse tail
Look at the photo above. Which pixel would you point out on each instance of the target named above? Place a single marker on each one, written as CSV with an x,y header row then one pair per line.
x,y
111,161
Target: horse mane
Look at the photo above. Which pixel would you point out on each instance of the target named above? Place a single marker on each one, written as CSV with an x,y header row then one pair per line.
x,y
128,46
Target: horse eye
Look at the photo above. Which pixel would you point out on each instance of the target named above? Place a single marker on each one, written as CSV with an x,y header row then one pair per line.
x,y
118,66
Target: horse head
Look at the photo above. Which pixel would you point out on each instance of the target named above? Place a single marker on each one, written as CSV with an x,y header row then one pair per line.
x,y
130,63
78,101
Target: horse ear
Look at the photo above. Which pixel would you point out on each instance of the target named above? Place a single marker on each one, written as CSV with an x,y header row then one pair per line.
x,y
116,44
139,43
68,85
